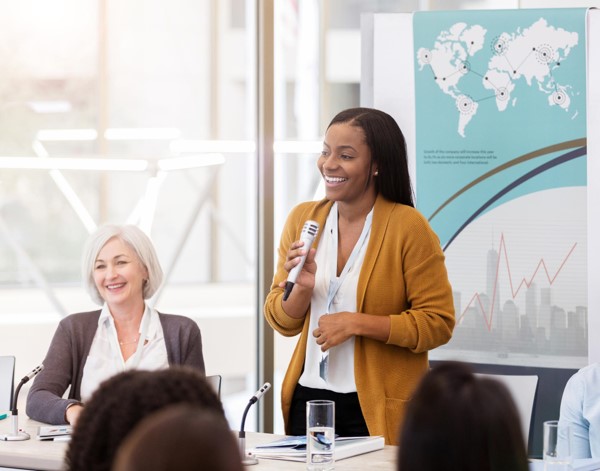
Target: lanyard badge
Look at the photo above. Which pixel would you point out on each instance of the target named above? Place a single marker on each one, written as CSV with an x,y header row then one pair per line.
x,y
334,281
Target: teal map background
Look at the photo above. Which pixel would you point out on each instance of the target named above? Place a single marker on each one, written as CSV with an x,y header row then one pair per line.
x,y
492,86
501,174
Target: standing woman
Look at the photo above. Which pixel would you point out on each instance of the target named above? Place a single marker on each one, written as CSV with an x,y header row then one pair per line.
x,y
120,271
373,297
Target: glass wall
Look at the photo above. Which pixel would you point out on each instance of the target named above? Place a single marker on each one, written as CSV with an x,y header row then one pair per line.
x,y
138,112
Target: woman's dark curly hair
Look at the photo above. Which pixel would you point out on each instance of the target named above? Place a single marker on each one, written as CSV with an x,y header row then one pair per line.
x,y
124,400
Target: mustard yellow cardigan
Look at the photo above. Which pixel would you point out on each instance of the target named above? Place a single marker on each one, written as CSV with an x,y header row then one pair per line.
x,y
404,277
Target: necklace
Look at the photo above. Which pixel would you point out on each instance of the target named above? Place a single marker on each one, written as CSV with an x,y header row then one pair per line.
x,y
121,342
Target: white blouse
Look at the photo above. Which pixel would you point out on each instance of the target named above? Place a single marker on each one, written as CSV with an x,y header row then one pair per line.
x,y
340,376
105,358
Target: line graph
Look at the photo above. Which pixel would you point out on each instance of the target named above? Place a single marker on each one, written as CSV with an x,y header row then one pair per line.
x,y
541,267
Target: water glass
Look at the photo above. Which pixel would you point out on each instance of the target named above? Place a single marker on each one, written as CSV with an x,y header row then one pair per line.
x,y
320,435
557,446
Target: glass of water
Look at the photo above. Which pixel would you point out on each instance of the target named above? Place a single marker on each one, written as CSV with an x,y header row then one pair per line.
x,y
320,435
557,446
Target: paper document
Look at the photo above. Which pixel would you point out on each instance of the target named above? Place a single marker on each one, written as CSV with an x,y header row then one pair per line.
x,y
294,448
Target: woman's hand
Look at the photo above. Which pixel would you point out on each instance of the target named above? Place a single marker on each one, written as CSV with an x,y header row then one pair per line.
x,y
306,277
338,327
296,305
72,413
335,329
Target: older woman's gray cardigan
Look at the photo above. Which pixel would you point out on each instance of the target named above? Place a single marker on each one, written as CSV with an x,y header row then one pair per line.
x,y
63,365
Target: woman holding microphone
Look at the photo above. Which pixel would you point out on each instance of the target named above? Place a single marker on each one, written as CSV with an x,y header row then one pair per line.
x,y
373,296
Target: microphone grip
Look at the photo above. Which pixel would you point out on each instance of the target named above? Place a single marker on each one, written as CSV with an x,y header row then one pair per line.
x,y
307,236
291,280
288,289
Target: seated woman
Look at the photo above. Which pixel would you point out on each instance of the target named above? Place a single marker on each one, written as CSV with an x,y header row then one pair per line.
x,y
459,422
120,271
181,437
580,409
123,401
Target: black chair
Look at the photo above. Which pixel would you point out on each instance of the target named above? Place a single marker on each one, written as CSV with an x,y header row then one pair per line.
x,y
215,382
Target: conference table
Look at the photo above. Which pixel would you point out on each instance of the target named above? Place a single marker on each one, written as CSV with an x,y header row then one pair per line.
x,y
36,455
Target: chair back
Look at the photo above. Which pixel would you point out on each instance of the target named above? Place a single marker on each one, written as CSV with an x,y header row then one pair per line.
x,y
215,382
522,389
7,380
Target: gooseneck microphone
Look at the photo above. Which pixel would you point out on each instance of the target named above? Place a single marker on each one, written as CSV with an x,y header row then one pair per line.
x,y
309,232
16,434
248,459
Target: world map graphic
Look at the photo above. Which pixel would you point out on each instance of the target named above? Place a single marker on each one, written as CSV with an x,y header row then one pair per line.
x,y
526,57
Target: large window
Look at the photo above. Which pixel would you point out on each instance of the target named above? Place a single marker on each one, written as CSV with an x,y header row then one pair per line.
x,y
136,112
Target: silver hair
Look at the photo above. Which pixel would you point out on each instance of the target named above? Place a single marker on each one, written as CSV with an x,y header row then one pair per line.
x,y
137,240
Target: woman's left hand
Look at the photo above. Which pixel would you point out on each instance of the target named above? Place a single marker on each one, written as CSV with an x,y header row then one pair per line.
x,y
334,329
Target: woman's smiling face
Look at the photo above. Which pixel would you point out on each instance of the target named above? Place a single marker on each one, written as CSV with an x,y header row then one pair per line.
x,y
345,164
118,273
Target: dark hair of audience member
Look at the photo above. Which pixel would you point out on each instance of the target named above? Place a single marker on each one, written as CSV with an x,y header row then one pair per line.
x,y
184,438
122,401
457,421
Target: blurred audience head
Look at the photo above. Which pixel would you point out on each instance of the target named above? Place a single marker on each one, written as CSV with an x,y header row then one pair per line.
x,y
182,438
457,421
122,401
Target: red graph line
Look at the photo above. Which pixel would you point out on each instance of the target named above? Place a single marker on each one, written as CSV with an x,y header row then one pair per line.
x,y
488,318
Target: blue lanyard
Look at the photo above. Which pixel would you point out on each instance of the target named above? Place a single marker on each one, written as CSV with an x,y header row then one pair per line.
x,y
334,281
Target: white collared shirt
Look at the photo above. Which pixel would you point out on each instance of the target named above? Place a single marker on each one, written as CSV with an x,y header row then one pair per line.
x,y
105,358
340,376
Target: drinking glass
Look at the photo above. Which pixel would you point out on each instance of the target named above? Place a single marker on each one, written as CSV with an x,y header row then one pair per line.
x,y
320,435
557,446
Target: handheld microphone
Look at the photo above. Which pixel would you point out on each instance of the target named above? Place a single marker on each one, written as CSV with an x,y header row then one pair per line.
x,y
248,459
309,232
16,434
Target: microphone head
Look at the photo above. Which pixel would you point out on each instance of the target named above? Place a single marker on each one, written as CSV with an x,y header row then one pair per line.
x,y
33,372
310,228
261,392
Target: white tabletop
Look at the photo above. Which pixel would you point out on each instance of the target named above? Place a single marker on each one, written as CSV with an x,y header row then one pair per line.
x,y
32,453
49,455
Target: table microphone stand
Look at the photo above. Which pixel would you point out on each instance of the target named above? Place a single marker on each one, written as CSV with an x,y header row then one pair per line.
x,y
16,434
247,458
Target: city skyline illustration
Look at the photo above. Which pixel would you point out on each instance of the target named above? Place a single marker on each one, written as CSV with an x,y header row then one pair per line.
x,y
492,324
